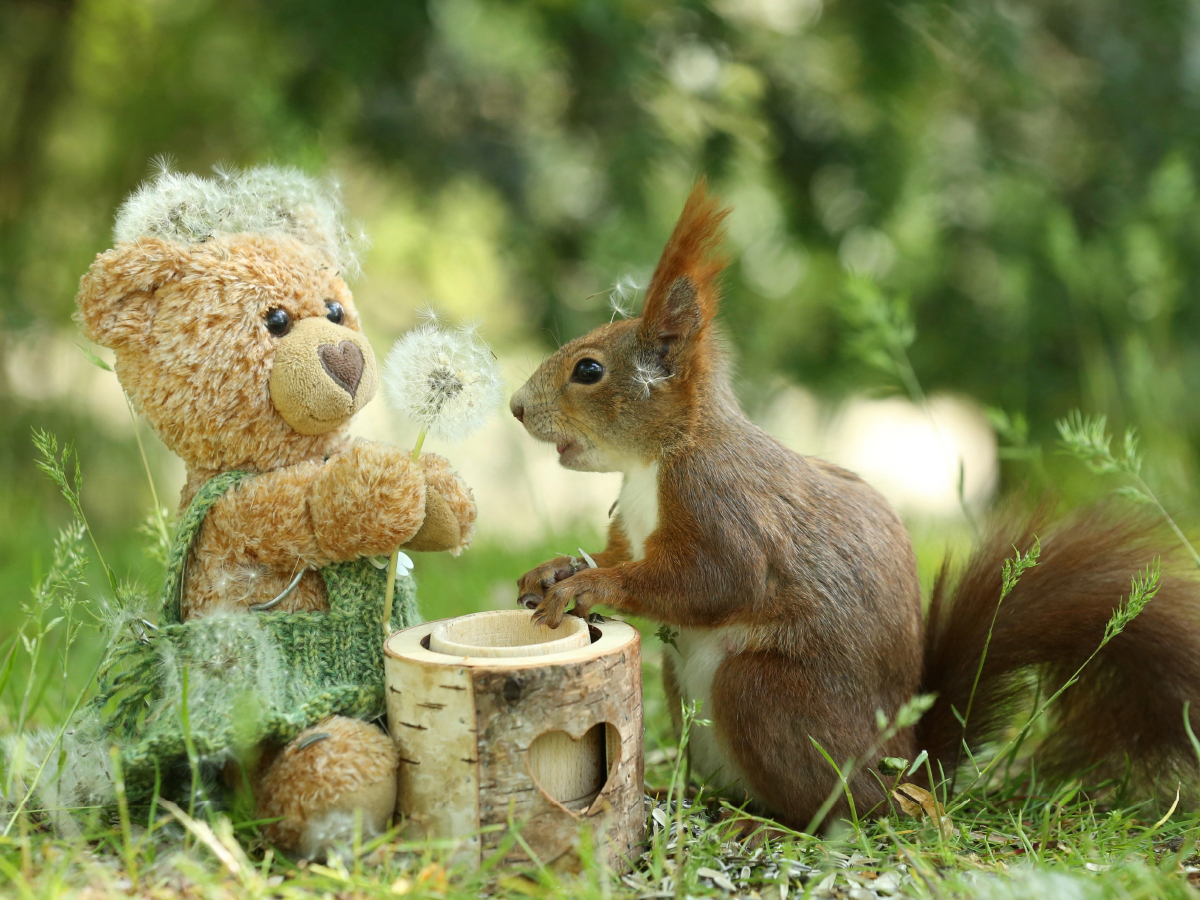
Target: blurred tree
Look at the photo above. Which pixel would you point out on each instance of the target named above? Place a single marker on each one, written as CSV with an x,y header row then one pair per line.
x,y
1023,172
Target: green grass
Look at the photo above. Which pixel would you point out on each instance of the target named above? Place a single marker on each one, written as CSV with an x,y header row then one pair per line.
x,y
1012,835
1020,838
1023,839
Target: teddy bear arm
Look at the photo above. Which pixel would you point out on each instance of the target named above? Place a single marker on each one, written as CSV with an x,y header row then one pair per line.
x,y
267,518
367,501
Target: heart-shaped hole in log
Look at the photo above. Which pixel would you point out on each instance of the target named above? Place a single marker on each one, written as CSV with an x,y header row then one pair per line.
x,y
573,771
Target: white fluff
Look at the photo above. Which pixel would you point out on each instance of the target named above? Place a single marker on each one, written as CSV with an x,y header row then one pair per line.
x,y
648,376
84,780
331,834
189,209
620,298
446,381
236,673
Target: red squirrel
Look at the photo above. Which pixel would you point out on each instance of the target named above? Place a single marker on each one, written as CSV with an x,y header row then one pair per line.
x,y
793,583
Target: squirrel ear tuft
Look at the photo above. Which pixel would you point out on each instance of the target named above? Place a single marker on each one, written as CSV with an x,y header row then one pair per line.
x,y
683,294
116,295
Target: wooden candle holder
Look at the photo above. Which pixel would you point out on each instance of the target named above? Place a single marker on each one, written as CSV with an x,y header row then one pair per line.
x,y
512,723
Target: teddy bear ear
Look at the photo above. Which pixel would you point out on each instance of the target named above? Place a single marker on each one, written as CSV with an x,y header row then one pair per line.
x,y
116,296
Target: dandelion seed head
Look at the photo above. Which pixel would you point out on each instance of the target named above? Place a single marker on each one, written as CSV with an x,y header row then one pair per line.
x,y
189,209
85,777
447,381
235,673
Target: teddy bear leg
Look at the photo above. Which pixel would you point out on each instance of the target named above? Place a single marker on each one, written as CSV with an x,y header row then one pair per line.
x,y
328,777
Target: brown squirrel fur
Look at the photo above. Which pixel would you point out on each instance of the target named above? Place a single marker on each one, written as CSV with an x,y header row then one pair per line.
x,y
794,583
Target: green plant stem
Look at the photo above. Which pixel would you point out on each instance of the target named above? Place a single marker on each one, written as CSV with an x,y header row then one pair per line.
x,y
390,593
1170,521
189,746
1009,584
127,846
1037,714
159,521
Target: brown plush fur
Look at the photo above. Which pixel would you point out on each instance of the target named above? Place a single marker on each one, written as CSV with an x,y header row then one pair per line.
x,y
794,584
195,356
304,782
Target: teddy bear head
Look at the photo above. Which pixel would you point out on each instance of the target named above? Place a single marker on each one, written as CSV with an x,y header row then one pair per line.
x,y
225,302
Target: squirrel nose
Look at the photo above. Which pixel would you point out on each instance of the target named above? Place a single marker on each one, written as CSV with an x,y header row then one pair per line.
x,y
518,411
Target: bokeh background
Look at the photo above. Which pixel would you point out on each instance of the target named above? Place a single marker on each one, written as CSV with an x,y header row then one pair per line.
x,y
1012,185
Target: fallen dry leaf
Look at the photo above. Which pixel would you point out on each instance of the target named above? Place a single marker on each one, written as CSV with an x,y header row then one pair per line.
x,y
917,802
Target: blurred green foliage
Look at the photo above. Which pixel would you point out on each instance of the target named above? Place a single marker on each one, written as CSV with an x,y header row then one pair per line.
x,y
1022,173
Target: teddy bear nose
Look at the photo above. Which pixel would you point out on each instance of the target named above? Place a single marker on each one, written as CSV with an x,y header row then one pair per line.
x,y
344,363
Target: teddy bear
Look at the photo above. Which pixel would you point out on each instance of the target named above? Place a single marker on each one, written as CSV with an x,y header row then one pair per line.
x,y
226,304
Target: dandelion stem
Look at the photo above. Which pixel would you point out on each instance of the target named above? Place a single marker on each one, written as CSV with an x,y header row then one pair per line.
x,y
391,582
417,448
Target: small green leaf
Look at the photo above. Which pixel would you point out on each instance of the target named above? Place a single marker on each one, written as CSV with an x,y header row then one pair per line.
x,y
667,635
94,359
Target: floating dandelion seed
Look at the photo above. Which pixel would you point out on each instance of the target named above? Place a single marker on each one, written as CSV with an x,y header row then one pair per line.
x,y
447,381
620,298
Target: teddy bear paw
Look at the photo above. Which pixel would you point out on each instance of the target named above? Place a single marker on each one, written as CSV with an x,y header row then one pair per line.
x,y
454,499
331,781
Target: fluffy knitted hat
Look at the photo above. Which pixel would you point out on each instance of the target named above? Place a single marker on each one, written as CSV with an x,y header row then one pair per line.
x,y
268,200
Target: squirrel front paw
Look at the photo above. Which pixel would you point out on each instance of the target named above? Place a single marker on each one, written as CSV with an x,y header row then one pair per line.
x,y
367,500
583,588
449,509
534,584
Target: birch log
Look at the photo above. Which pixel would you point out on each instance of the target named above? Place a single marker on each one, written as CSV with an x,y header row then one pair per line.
x,y
547,742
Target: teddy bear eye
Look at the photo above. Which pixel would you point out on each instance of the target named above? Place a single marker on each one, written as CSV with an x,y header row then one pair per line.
x,y
336,314
587,371
278,322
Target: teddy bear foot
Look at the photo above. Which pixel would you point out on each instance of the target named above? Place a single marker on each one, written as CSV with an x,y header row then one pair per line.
x,y
332,779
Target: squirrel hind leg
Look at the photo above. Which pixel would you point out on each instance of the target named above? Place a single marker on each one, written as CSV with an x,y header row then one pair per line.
x,y
769,738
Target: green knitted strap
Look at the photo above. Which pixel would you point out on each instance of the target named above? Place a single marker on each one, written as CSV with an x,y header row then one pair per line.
x,y
186,531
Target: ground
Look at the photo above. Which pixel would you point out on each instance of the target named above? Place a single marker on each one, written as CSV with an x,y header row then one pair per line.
x,y
1017,837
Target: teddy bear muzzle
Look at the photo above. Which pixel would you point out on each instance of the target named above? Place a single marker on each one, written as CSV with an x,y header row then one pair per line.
x,y
322,375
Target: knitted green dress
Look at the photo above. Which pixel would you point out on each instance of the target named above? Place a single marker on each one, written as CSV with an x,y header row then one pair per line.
x,y
230,681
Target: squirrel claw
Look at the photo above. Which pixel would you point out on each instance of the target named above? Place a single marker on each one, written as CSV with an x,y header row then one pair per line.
x,y
548,613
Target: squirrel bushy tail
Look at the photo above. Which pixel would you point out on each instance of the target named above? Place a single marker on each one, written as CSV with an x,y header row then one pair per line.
x,y
1127,707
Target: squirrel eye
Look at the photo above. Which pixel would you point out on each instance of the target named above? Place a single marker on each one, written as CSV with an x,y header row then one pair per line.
x,y
587,371
336,314
278,322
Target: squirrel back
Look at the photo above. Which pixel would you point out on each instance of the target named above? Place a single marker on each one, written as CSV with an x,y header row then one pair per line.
x,y
793,583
